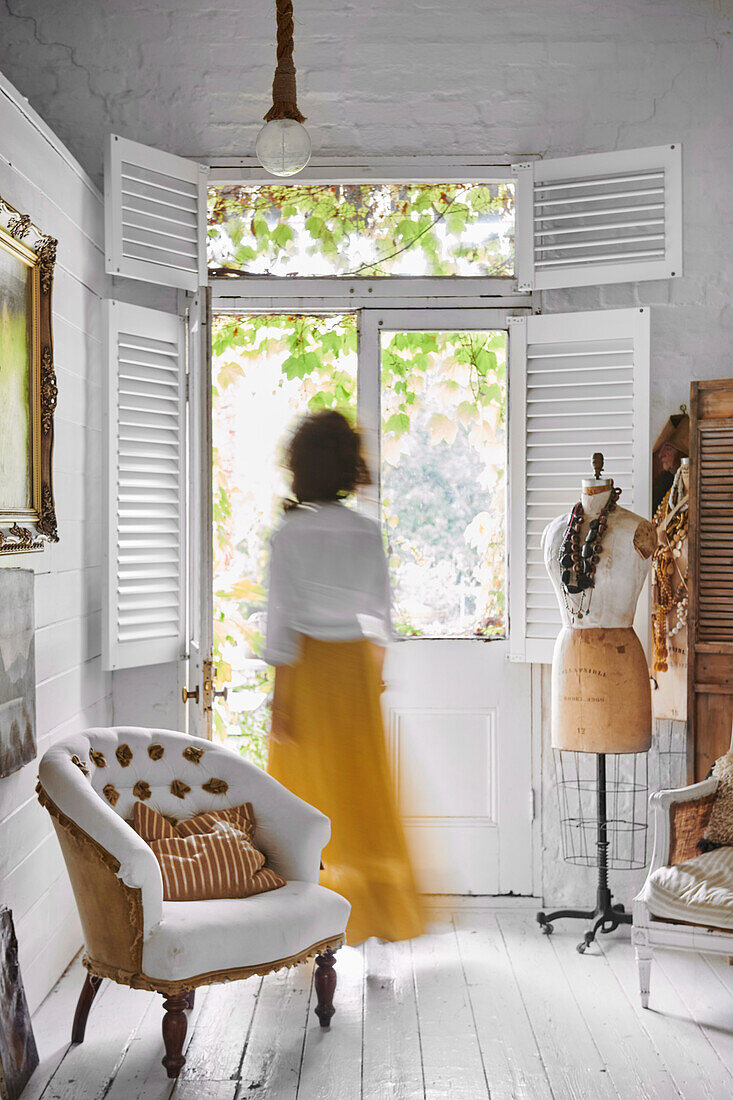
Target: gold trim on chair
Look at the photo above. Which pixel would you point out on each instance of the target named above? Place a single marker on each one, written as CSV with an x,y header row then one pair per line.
x,y
211,977
111,912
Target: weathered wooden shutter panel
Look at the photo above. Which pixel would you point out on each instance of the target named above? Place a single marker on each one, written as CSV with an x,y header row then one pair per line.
x,y
599,218
578,383
710,626
145,487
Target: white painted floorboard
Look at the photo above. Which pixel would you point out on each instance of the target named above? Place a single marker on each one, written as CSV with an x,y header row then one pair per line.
x,y
481,1007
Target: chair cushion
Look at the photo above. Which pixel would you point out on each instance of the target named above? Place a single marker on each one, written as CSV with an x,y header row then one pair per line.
x,y
720,824
207,856
201,937
698,891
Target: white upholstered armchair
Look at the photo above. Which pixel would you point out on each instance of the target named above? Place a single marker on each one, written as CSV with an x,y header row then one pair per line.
x,y
89,784
687,900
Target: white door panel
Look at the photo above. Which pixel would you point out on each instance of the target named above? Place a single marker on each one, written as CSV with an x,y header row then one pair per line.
x,y
458,716
457,712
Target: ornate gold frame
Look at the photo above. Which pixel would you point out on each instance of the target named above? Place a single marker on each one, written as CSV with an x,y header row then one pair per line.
x,y
26,530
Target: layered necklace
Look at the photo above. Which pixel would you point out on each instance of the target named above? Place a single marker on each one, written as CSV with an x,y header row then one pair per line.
x,y
578,564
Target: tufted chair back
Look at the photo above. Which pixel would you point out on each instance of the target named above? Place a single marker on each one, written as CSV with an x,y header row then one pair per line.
x,y
102,770
177,775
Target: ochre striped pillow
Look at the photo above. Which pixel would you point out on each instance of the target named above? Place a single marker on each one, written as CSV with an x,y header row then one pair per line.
x,y
208,856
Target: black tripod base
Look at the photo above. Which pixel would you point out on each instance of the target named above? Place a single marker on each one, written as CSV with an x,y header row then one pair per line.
x,y
606,917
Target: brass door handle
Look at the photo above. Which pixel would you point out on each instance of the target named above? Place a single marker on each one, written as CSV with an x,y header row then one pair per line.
x,y
186,694
223,694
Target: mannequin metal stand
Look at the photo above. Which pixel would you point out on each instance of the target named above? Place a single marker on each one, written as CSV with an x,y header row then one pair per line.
x,y
606,916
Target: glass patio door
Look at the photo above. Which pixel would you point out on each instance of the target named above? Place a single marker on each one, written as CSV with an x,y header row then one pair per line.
x,y
457,712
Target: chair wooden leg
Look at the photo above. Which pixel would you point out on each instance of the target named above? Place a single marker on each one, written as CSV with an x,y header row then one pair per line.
x,y
644,963
191,997
86,997
325,982
174,1032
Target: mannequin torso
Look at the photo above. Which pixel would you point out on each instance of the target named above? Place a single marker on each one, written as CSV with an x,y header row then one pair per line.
x,y
627,547
601,699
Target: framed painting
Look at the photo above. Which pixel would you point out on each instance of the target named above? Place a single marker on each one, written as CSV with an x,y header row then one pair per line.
x,y
28,390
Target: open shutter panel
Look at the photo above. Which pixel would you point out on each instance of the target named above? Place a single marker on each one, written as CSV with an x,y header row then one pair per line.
x,y
155,215
579,383
145,405
600,218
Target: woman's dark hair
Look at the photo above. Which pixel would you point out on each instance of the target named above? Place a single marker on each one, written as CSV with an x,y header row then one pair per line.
x,y
326,459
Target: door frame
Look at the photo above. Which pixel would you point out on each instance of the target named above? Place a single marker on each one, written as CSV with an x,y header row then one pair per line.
x,y
381,300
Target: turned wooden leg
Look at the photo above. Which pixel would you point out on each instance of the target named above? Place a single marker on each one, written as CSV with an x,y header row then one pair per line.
x,y
325,982
174,1032
191,997
644,963
87,995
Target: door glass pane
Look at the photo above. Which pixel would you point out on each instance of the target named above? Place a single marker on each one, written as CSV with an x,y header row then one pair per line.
x,y
443,480
267,371
364,229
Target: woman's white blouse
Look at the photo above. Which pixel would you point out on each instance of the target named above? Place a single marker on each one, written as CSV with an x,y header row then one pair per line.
x,y
328,579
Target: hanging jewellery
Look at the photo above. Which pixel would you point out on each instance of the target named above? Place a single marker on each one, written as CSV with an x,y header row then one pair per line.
x,y
578,576
670,605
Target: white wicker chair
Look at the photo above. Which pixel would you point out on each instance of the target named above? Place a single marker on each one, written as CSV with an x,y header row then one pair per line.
x,y
89,784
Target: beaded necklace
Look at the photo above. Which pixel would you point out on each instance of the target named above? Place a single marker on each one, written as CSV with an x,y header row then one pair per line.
x,y
578,576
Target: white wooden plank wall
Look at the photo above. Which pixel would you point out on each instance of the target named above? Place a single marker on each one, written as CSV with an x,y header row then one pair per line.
x,y
483,1008
39,177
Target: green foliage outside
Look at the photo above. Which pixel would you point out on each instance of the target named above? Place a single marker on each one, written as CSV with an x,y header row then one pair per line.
x,y
363,229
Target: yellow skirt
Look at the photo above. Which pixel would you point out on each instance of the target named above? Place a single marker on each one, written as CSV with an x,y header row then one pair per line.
x,y
337,761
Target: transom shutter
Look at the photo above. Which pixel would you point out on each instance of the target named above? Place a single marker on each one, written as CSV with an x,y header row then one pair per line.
x,y
155,215
600,218
578,383
710,582
145,487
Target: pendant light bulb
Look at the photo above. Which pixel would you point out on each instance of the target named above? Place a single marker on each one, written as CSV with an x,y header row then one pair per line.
x,y
283,147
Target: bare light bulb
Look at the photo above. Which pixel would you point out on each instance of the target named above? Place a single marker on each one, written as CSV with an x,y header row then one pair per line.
x,y
283,147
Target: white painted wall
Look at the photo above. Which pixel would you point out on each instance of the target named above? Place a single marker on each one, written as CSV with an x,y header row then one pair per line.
x,y
430,77
39,177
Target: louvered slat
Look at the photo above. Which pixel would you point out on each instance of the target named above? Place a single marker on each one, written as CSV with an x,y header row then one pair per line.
x,y
579,383
715,535
145,486
600,218
155,219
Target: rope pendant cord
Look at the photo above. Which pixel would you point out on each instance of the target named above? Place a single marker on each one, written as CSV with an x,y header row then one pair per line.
x,y
284,95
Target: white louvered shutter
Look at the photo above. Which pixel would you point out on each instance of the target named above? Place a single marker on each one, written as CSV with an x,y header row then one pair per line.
x,y
600,218
145,487
155,215
578,383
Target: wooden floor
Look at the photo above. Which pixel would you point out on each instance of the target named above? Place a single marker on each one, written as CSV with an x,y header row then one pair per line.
x,y
483,1006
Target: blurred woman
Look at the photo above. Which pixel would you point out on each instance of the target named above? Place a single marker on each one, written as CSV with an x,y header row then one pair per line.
x,y
328,623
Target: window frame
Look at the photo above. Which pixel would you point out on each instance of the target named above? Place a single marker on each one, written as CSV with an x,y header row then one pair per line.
x,y
247,171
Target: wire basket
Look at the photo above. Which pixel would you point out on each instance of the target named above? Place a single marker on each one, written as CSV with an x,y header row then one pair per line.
x,y
627,787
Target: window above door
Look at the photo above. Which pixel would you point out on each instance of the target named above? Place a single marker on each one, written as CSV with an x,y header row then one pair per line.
x,y
362,229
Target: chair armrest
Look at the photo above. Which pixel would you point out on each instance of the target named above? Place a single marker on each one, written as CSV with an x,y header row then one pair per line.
x,y
290,832
680,819
73,796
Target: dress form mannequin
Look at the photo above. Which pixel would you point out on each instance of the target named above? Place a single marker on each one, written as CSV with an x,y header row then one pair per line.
x,y
601,698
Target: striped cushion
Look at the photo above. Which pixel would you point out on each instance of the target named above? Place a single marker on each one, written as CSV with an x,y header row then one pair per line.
x,y
698,891
207,856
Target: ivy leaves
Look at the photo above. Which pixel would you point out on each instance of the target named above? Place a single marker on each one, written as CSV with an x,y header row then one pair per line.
x,y
367,229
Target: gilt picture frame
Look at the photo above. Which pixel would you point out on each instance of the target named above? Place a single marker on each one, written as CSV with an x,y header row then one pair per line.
x,y
28,385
